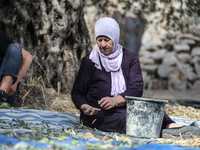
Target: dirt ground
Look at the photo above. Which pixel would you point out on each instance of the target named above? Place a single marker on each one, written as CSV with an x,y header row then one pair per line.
x,y
190,94
41,98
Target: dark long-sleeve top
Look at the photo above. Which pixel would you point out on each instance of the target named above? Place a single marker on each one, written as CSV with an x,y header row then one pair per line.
x,y
5,41
93,84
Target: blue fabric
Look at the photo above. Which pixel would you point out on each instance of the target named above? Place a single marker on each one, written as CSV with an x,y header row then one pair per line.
x,y
163,147
6,140
53,119
10,66
82,142
57,120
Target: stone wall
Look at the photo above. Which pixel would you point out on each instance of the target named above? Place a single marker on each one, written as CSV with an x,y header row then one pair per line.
x,y
172,64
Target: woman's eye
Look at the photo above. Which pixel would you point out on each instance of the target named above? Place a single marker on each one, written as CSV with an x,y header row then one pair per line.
x,y
100,40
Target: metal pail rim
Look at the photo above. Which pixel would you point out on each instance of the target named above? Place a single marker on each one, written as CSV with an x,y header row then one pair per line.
x,y
145,99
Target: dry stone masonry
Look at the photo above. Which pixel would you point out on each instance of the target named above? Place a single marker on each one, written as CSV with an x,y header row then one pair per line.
x,y
172,64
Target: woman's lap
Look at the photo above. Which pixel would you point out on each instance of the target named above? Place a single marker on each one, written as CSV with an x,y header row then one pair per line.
x,y
111,120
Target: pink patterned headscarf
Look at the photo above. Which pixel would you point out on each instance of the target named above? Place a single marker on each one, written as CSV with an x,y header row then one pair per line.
x,y
112,63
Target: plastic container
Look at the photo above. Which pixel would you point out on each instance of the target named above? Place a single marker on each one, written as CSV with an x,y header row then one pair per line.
x,y
144,117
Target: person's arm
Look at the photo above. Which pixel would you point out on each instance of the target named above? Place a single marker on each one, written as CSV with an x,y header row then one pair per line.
x,y
26,62
81,87
82,83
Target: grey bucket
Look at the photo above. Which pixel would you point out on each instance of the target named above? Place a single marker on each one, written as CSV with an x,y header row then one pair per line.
x,y
144,117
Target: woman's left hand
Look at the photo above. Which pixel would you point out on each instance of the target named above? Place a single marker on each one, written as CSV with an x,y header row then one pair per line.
x,y
107,102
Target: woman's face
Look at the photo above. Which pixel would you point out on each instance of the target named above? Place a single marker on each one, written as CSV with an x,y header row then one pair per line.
x,y
105,45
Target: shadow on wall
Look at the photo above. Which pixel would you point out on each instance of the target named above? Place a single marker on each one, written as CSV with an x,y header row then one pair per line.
x,y
131,30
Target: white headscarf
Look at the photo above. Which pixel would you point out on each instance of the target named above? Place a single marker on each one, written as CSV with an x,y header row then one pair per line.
x,y
112,63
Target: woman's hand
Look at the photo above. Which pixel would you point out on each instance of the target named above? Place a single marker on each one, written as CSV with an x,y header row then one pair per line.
x,y
111,102
107,103
89,110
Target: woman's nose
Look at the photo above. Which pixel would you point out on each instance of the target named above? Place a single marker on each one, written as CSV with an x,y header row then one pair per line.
x,y
103,44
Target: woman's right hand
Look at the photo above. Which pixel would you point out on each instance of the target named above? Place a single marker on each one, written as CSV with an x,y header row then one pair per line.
x,y
89,110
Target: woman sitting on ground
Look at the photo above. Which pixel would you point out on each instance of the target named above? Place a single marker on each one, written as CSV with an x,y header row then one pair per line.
x,y
106,76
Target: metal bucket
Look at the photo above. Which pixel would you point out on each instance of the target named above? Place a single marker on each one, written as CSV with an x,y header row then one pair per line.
x,y
144,117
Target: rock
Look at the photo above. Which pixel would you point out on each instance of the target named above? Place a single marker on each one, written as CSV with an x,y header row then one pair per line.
x,y
195,38
196,84
160,84
196,51
187,41
188,71
149,68
189,85
188,36
153,46
168,44
177,80
164,70
181,47
197,66
183,57
158,55
147,60
170,59
143,52
194,59
185,36
146,79
190,74
162,37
